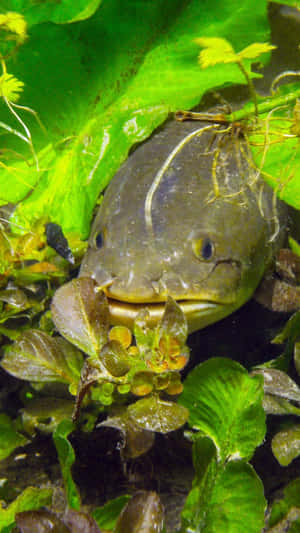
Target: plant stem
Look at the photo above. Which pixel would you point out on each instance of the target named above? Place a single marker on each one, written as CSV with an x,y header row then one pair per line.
x,y
252,90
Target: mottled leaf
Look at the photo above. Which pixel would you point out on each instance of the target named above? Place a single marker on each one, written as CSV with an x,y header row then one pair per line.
x,y
144,512
274,405
136,441
79,522
40,522
36,356
279,384
155,414
226,404
80,313
286,445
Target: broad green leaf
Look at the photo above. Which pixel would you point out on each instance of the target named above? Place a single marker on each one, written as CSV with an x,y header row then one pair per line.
x,y
154,414
219,489
237,488
226,404
107,515
99,87
59,12
30,498
66,458
35,356
10,438
286,445
80,313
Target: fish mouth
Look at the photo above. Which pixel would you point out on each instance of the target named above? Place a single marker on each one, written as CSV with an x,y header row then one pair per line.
x,y
199,313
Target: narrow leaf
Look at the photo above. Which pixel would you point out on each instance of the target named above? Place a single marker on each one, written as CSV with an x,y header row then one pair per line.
x,y
66,457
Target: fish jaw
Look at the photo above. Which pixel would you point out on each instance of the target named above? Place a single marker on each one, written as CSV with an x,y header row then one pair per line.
x,y
199,314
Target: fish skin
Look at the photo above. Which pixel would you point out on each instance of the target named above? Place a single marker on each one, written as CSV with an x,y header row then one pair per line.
x,y
187,215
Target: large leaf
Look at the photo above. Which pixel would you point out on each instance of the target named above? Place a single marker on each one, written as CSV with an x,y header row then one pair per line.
x,y
59,12
226,404
219,489
102,85
36,356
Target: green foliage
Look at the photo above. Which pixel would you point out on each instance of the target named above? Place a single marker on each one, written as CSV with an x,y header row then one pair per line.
x,y
282,509
36,356
31,498
100,87
286,444
66,458
48,11
10,437
107,515
225,405
218,50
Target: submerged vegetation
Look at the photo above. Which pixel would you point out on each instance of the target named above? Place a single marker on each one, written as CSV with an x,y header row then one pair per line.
x,y
90,84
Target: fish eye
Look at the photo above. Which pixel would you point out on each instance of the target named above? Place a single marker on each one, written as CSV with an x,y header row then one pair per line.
x,y
203,248
99,240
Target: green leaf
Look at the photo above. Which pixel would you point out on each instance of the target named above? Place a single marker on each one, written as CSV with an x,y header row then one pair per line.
x,y
107,515
154,414
35,356
10,438
226,404
286,445
66,458
219,489
275,147
254,50
100,87
46,413
238,487
216,50
10,87
58,12
31,498
289,500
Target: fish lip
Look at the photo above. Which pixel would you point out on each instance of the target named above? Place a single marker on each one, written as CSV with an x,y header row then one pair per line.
x,y
122,312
